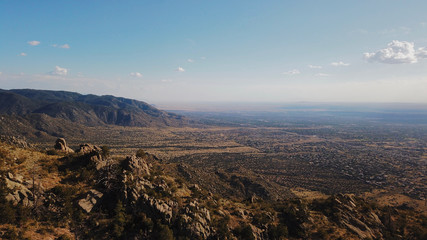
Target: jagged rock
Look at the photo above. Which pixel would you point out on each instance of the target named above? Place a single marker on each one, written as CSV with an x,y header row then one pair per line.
x,y
20,194
95,155
158,207
88,148
364,225
61,145
18,142
196,220
136,165
92,197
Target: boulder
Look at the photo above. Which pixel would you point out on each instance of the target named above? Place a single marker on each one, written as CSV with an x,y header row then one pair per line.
x,y
91,199
61,145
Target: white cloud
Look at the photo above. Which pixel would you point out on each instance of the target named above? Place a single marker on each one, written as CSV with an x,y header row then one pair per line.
x,y
322,75
65,46
422,52
314,67
34,43
190,60
22,54
166,80
135,74
340,64
292,72
397,52
180,69
59,71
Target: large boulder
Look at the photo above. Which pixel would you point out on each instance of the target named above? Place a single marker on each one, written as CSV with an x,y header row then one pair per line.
x,y
61,145
91,199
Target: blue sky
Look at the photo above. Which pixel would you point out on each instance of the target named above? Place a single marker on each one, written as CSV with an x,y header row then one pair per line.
x,y
210,51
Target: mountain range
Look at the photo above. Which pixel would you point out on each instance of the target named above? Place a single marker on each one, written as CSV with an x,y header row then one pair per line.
x,y
44,112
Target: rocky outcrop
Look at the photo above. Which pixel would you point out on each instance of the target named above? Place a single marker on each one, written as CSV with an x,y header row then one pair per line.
x,y
20,194
88,148
94,154
61,145
157,207
91,199
196,220
15,141
365,225
138,166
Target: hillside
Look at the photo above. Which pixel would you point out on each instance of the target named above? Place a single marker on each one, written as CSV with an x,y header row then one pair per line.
x,y
60,113
89,194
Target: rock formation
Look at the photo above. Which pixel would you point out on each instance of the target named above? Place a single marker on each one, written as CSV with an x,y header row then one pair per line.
x,y
61,145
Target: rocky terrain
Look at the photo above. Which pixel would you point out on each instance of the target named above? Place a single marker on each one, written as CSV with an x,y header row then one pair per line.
x,y
87,193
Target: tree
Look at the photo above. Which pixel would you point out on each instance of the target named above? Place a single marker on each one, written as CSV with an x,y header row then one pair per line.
x,y
119,220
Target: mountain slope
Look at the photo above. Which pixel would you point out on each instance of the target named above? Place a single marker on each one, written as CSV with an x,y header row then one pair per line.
x,y
44,114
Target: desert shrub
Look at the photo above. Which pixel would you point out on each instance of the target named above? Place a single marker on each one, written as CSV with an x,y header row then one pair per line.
x,y
4,154
221,226
106,151
260,219
51,152
7,212
140,153
163,232
64,237
276,232
244,232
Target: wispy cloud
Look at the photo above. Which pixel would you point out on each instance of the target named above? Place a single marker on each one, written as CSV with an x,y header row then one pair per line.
x,y
34,43
398,30
180,69
340,64
314,67
292,72
65,46
59,71
135,74
322,75
397,52
190,60
22,54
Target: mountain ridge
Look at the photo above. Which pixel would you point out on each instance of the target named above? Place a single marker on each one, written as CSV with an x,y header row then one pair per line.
x,y
53,112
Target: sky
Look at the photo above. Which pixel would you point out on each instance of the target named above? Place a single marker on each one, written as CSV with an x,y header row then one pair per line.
x,y
219,51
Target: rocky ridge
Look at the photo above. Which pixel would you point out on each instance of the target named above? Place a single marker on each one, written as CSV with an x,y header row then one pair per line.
x,y
104,197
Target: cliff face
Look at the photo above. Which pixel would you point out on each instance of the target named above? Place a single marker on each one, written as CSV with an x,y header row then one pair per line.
x,y
87,194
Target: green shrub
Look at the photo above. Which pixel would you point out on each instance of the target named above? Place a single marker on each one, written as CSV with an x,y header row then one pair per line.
x,y
140,153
